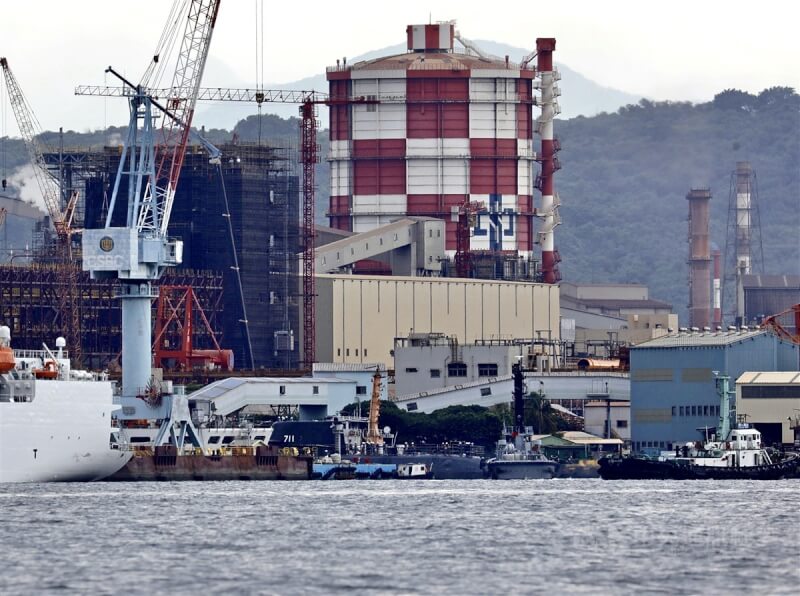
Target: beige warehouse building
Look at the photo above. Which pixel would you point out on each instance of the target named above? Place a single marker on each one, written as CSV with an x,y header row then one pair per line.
x,y
359,316
771,402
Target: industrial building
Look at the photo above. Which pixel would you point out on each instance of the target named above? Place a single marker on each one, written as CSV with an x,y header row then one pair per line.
x,y
771,402
429,361
358,316
766,295
442,133
673,391
597,414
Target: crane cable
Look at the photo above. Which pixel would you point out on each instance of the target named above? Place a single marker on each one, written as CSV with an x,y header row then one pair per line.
x,y
163,53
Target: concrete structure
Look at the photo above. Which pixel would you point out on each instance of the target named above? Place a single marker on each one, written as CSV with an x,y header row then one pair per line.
x,y
428,361
410,246
315,398
597,413
766,295
360,373
359,316
770,401
558,387
449,127
673,392
699,258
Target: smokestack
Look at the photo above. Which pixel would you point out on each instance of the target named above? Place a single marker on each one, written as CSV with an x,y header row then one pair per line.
x,y
716,255
549,210
699,258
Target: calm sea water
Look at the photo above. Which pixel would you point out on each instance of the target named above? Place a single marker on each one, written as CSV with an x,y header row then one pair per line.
x,y
407,537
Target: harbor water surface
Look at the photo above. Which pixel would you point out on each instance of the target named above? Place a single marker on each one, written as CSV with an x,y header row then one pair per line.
x,y
408,537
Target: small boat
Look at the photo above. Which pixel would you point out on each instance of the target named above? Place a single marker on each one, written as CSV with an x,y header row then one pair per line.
x,y
731,453
520,460
417,471
518,455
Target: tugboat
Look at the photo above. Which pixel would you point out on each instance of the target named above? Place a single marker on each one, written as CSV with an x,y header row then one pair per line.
x,y
734,453
518,456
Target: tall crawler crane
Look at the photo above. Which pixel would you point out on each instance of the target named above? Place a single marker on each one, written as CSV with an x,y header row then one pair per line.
x,y
151,160
69,318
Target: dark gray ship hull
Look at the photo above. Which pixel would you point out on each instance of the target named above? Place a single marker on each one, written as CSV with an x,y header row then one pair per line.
x,y
442,467
521,470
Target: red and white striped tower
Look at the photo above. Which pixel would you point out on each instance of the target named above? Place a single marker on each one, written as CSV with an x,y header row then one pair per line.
x,y
545,46
450,128
716,256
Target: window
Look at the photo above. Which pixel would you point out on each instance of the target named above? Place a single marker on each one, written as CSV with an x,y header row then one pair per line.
x,y
347,352
338,351
435,373
315,389
214,439
411,369
365,352
361,389
227,440
372,107
705,410
622,424
487,370
694,410
282,390
456,369
486,391
411,407
673,410
680,411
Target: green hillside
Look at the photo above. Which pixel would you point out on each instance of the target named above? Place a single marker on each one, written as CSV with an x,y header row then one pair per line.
x,y
625,176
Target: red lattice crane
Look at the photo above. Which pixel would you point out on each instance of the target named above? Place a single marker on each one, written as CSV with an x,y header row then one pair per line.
x,y
173,340
67,269
465,215
774,324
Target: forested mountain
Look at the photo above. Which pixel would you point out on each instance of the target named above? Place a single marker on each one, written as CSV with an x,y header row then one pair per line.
x,y
625,176
624,180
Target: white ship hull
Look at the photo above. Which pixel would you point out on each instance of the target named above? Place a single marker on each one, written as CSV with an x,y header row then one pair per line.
x,y
61,435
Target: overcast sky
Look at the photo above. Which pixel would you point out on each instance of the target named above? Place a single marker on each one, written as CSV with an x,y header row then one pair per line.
x,y
678,50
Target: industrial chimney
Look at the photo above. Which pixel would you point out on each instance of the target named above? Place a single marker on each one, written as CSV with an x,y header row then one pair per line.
x,y
699,258
549,209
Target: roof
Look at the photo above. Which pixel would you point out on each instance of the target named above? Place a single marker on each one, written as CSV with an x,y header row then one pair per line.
x,y
429,60
602,404
707,338
580,437
769,378
791,282
370,367
616,303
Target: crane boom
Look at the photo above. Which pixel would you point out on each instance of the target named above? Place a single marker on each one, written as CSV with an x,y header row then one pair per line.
x,y
181,101
29,129
137,253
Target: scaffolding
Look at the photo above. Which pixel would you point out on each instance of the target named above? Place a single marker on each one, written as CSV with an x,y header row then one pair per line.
x,y
263,201
29,298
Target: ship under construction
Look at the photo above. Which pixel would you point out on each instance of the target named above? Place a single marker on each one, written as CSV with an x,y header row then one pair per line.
x,y
240,235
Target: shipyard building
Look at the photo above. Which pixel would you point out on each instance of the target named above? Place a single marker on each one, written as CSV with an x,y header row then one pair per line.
x,y
673,392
